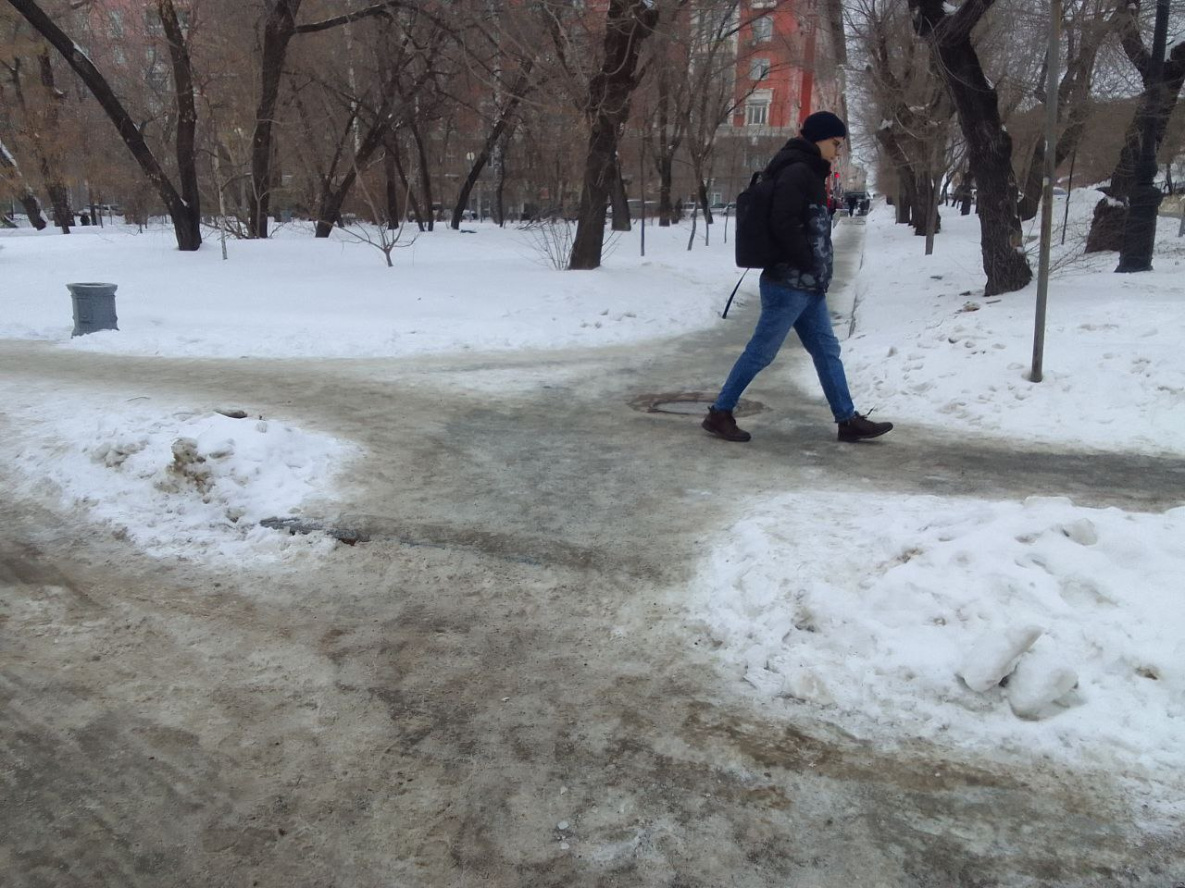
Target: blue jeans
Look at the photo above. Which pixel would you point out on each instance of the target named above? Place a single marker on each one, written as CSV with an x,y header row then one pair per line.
x,y
783,307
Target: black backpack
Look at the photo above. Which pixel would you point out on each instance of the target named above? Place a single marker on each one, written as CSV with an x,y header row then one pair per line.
x,y
754,239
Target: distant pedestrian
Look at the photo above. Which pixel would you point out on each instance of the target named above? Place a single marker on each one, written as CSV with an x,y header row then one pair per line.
x,y
794,291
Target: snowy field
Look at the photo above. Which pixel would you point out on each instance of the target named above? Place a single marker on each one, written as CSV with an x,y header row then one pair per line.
x,y
933,350
897,616
481,288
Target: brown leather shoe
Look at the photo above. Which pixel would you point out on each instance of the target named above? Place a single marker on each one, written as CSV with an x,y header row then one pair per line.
x,y
721,424
861,428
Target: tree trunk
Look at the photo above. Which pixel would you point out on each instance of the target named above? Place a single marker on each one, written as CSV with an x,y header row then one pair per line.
x,y
704,202
498,167
907,196
963,194
1110,213
503,126
933,219
666,209
1067,144
425,173
907,191
927,221
989,147
598,177
24,193
619,200
128,130
32,206
277,32
394,216
59,201
628,23
667,138
59,196
412,202
330,208
189,223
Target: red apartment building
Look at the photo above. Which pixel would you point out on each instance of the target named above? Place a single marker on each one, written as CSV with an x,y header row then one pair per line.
x,y
789,55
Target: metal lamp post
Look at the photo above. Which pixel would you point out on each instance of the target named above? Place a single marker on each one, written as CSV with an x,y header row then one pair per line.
x,y
1053,75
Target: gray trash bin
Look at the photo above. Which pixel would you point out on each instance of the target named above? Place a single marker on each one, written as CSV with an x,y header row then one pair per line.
x,y
94,307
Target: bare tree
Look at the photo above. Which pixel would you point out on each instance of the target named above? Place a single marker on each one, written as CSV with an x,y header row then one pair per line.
x,y
185,214
1088,23
627,24
1155,106
11,171
375,103
186,140
989,147
908,106
503,70
280,27
667,130
711,94
39,102
501,130
386,231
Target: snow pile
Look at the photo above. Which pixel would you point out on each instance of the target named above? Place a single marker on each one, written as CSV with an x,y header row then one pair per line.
x,y
1028,625
190,485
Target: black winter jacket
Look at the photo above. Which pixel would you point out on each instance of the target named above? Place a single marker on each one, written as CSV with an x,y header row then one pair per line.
x,y
799,218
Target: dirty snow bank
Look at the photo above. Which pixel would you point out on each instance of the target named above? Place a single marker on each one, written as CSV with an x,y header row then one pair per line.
x,y
884,613
186,484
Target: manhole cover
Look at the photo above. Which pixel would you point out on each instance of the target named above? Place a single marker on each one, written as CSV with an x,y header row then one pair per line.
x,y
688,404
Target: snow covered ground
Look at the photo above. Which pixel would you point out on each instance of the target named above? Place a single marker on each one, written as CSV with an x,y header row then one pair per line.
x,y
897,615
901,615
296,296
933,350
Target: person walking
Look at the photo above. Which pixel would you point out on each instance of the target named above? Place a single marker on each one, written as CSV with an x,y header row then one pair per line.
x,y
794,291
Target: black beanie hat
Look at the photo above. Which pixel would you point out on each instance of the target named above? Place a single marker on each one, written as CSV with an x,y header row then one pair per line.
x,y
823,125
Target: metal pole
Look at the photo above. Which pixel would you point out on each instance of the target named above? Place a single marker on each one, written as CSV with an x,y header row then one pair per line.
x,y
1069,192
1055,24
642,186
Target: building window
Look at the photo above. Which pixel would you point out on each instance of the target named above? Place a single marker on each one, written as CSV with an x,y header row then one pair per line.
x,y
758,69
756,113
763,29
712,23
